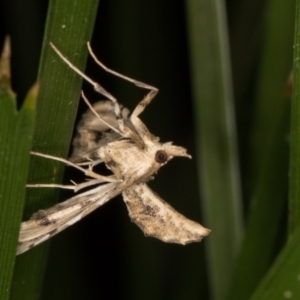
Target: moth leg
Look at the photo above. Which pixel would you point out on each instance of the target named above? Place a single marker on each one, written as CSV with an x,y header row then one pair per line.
x,y
108,70
144,103
125,131
149,97
141,106
87,172
51,185
97,87
83,185
75,187
139,126
121,125
91,163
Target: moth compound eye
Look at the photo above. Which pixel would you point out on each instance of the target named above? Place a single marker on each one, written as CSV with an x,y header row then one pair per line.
x,y
161,156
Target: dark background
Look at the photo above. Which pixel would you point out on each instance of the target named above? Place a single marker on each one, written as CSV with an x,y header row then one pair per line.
x,y
105,256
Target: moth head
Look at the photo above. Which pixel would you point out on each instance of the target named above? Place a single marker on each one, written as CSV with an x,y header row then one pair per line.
x,y
168,151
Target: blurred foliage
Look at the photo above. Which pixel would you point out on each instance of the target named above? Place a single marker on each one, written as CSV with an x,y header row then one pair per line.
x,y
106,256
214,114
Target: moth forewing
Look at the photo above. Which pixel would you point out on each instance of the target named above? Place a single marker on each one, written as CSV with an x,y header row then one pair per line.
x,y
109,134
158,219
48,222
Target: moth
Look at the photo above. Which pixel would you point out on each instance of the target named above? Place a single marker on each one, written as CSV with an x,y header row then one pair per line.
x,y
109,134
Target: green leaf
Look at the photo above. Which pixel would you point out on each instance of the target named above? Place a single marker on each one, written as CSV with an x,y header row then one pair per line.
x,y
282,281
294,191
69,27
16,128
265,228
216,139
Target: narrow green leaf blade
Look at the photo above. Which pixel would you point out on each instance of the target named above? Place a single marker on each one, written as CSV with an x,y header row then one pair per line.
x,y
265,227
216,138
282,281
69,27
16,129
294,190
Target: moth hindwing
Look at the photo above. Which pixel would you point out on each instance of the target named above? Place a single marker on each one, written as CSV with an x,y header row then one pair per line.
x,y
108,134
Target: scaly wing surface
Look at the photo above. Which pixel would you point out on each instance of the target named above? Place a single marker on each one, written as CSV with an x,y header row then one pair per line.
x,y
93,134
46,223
158,219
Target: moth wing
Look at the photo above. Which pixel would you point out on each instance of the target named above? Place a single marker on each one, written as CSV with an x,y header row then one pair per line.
x,y
46,223
158,219
93,134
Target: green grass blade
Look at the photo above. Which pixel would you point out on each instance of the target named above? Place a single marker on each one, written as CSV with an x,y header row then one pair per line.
x,y
16,129
282,281
265,226
294,190
69,27
215,126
